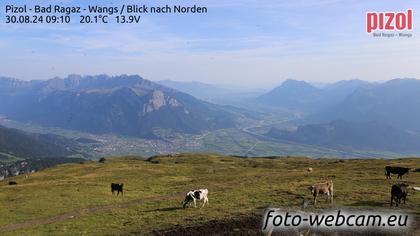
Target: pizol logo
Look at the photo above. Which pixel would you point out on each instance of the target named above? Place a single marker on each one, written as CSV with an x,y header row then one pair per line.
x,y
389,21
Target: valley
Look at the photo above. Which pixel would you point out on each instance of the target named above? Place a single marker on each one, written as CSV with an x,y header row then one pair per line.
x,y
248,141
129,115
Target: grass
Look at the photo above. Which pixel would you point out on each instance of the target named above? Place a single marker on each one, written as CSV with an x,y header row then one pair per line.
x,y
80,193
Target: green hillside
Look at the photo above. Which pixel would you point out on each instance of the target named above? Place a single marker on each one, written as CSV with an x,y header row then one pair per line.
x,y
17,144
76,199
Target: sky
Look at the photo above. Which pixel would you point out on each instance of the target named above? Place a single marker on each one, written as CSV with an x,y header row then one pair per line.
x,y
249,43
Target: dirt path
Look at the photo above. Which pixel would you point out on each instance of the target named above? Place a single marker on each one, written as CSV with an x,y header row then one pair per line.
x,y
240,225
85,211
94,209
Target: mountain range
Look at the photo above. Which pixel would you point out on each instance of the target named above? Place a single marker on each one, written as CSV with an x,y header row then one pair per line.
x,y
125,105
346,115
352,136
218,94
302,96
353,114
207,92
396,103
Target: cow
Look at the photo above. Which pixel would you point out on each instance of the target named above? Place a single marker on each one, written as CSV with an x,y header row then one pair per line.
x,y
395,170
194,195
323,188
398,192
118,188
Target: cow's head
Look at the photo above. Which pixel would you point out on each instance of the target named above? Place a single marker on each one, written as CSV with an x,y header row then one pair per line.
x,y
311,188
184,204
187,200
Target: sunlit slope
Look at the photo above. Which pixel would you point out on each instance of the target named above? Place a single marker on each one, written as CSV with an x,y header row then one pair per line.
x,y
76,198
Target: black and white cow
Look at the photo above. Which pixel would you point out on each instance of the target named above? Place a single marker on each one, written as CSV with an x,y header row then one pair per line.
x,y
117,188
194,195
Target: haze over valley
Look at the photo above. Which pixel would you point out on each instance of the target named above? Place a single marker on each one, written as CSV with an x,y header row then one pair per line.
x,y
94,116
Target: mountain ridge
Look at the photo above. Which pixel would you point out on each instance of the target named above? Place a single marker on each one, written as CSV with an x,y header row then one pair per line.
x,y
22,144
343,134
395,102
126,104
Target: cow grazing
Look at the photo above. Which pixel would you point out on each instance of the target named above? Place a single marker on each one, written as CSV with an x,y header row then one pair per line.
x,y
398,192
323,188
118,188
194,195
400,171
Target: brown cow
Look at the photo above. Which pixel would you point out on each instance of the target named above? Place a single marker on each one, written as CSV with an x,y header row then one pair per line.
x,y
323,188
398,192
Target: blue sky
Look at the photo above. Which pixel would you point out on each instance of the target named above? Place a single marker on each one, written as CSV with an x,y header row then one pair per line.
x,y
251,43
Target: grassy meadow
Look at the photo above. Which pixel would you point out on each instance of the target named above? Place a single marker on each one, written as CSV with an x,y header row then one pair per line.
x,y
76,198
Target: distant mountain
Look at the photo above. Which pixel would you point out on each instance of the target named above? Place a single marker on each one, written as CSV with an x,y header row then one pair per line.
x,y
396,102
293,94
341,89
16,143
300,95
346,86
356,136
126,105
199,90
214,93
353,114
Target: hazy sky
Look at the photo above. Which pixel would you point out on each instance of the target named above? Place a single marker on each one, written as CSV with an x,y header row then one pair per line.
x,y
254,43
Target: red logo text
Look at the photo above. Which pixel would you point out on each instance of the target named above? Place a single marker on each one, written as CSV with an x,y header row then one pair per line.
x,y
389,21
